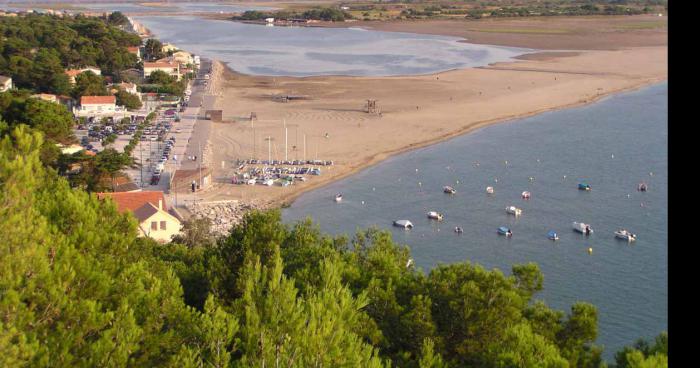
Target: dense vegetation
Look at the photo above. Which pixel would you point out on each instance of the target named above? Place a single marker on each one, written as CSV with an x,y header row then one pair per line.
x,y
35,50
79,288
316,13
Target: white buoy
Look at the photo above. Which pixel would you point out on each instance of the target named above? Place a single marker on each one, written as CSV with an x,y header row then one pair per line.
x,y
590,250
531,178
506,162
651,173
628,195
496,180
564,176
457,181
612,156
538,160
416,170
420,184
363,202
373,189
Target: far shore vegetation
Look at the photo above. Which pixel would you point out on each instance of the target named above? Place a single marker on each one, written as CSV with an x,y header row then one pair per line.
x,y
465,9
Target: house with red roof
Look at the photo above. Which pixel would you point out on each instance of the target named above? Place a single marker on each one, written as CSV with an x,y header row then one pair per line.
x,y
150,210
72,73
99,106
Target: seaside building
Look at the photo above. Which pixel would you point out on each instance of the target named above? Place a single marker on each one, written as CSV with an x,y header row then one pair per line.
x,y
168,47
169,67
125,86
99,106
155,221
183,57
5,83
46,97
136,50
72,73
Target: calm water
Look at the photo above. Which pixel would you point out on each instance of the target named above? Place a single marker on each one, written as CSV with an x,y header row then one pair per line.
x,y
172,7
627,282
306,51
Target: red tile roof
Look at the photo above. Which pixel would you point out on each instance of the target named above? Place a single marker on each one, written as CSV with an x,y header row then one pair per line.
x,y
160,65
133,48
95,100
131,201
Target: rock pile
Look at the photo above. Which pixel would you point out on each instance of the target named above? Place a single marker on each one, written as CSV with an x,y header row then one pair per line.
x,y
223,214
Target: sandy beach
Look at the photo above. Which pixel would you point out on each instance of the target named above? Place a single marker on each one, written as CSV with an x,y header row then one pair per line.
x,y
415,110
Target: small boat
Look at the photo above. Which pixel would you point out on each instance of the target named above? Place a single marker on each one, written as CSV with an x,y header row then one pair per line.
x,y
338,197
583,186
433,215
626,235
582,228
514,210
489,190
449,190
642,187
552,235
404,224
458,230
505,231
525,195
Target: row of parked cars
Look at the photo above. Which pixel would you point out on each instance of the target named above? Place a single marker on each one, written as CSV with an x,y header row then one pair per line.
x,y
155,179
97,131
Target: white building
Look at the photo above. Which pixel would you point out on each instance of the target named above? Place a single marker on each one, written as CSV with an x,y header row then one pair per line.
x,y
99,106
169,67
5,83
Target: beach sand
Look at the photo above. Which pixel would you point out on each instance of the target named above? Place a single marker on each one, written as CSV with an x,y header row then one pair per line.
x,y
416,110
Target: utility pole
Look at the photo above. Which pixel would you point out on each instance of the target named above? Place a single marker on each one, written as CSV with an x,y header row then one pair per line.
x,y
305,148
199,144
285,139
269,153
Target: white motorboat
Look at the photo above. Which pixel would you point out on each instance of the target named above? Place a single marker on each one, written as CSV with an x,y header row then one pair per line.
x,y
582,228
642,187
338,197
626,235
404,224
449,190
433,215
514,210
458,230
525,195
505,231
489,190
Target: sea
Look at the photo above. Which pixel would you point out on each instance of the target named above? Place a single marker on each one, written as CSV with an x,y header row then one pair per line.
x,y
613,145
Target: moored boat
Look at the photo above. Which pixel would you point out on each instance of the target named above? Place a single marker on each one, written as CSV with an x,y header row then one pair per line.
x,y
582,228
404,224
552,235
458,230
338,197
514,210
434,215
583,186
642,187
449,190
525,195
505,231
626,235
489,190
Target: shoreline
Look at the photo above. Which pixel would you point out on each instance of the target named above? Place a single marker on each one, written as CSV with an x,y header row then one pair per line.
x,y
281,199
383,156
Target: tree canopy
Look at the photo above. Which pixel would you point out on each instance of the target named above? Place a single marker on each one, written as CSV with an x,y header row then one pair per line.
x,y
79,288
35,49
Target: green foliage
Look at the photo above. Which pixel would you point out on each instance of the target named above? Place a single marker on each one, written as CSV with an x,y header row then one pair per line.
x,y
89,84
117,18
128,100
36,49
79,288
643,354
153,49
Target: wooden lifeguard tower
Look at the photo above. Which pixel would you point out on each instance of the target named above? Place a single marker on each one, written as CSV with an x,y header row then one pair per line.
x,y
371,107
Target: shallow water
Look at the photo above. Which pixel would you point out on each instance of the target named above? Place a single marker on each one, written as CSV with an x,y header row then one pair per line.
x,y
613,145
306,51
